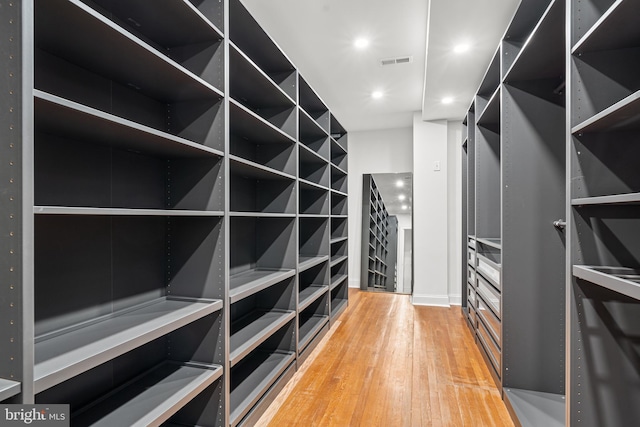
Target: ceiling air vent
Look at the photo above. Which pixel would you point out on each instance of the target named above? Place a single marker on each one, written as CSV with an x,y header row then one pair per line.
x,y
398,60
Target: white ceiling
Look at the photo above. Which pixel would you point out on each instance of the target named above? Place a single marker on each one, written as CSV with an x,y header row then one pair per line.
x,y
390,191
318,36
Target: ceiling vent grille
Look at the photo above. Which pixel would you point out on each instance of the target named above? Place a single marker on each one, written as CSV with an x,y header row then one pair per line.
x,y
398,60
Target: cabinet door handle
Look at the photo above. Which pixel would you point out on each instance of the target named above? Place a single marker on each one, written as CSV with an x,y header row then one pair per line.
x,y
560,224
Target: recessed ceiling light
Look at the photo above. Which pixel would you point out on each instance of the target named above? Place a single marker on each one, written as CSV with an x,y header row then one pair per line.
x,y
377,94
447,100
402,197
405,207
399,183
461,48
361,43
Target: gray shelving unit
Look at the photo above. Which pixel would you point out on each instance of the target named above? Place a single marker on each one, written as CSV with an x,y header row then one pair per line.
x,y
516,202
604,215
374,237
171,171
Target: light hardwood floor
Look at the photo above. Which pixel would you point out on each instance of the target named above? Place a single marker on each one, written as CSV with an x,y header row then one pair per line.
x,y
388,363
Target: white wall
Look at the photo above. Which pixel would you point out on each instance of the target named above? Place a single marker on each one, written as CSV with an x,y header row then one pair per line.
x,y
382,151
454,191
404,223
437,202
430,210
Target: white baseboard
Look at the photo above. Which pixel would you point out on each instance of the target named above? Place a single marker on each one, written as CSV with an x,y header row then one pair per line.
x,y
455,299
354,283
431,300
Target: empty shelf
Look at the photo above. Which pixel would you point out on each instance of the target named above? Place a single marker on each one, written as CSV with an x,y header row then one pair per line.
x,y
535,408
67,118
541,57
338,259
67,353
340,193
310,329
307,155
243,284
616,29
623,280
252,330
8,389
336,168
309,184
493,242
67,210
246,124
251,169
261,214
166,25
337,279
338,239
623,115
338,306
616,199
310,294
259,372
306,262
490,117
252,85
311,127
127,60
151,398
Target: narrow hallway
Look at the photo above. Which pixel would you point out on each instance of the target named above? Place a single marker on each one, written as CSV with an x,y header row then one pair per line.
x,y
389,363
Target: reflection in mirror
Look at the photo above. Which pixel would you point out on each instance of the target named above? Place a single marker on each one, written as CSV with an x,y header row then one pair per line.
x,y
387,255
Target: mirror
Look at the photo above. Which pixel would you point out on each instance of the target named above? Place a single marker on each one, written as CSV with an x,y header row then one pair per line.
x,y
387,235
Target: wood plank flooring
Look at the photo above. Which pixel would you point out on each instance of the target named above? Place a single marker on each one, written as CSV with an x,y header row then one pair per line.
x,y
388,363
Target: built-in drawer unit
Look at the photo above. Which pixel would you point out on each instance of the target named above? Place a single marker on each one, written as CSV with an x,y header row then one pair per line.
x,y
490,346
490,294
471,257
473,316
471,241
471,297
471,277
489,269
490,320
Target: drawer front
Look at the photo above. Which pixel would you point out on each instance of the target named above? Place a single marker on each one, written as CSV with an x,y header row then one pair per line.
x,y
472,316
489,271
490,320
472,242
490,294
471,297
471,257
471,277
489,346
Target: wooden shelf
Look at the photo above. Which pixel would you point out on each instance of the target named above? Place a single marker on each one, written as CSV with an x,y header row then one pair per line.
x,y
151,398
309,329
76,121
9,389
614,199
615,29
62,355
252,330
258,373
535,408
309,295
623,115
306,262
623,280
69,210
132,61
249,282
